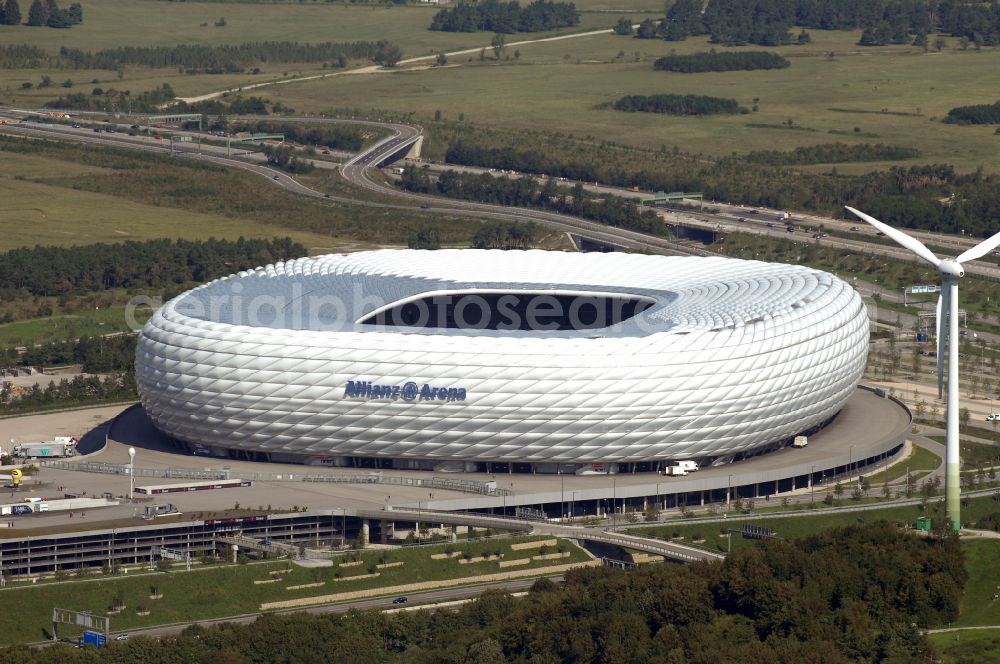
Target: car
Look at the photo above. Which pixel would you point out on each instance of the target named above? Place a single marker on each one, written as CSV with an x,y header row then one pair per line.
x,y
752,211
771,225
400,600
122,637
742,219
326,152
993,417
135,126
274,177
854,228
97,130
326,195
76,126
423,206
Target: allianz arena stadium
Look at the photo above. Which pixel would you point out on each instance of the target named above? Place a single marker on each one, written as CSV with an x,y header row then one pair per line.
x,y
421,359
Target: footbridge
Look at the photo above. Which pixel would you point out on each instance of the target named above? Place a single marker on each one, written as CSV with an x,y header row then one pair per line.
x,y
670,550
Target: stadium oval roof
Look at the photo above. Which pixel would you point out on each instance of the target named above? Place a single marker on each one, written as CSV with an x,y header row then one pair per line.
x,y
684,358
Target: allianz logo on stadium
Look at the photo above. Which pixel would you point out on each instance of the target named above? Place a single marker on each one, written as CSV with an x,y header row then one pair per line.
x,y
361,389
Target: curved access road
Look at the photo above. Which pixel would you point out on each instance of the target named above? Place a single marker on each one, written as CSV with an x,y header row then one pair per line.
x,y
354,171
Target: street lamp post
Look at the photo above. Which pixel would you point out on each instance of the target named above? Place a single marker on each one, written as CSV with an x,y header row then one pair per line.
x,y
729,491
562,498
131,473
812,484
614,501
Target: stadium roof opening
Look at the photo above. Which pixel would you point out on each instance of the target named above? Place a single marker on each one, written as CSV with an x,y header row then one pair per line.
x,y
535,311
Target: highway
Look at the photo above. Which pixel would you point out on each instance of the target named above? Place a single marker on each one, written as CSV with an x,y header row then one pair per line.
x,y
356,172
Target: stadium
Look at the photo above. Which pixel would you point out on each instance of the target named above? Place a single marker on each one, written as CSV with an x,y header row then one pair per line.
x,y
534,360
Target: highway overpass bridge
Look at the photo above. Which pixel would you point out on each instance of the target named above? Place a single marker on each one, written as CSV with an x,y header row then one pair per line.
x,y
669,550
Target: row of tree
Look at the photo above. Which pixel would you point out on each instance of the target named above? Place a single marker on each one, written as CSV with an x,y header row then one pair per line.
x,y
525,192
96,354
337,137
77,391
221,58
768,22
505,17
833,153
147,264
284,157
975,114
504,235
856,594
99,100
713,61
42,13
678,104
22,56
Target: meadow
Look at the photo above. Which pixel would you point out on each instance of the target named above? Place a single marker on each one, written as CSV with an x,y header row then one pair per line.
x,y
558,86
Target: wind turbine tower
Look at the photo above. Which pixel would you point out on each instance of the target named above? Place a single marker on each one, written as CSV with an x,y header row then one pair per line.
x,y
947,326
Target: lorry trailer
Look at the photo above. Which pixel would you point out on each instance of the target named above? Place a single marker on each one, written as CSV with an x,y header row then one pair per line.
x,y
60,446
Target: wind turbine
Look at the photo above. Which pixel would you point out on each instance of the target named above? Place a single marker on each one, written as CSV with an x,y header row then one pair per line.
x,y
947,315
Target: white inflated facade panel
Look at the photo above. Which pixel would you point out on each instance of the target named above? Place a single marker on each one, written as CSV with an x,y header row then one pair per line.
x,y
733,355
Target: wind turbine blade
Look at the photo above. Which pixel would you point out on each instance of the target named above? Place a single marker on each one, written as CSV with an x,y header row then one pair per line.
x,y
980,250
900,238
941,334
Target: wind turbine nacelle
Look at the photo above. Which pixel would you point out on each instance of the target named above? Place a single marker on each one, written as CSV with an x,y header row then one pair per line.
x,y
951,268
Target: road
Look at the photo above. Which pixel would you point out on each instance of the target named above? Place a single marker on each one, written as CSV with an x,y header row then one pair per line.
x,y
376,69
355,171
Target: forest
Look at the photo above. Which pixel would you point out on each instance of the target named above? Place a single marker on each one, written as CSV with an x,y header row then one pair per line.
x,y
525,192
712,61
505,17
678,104
974,114
44,270
906,196
47,14
855,594
768,22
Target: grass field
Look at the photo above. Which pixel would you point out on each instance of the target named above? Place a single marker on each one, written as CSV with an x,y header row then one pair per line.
x,y
982,561
920,459
26,611
809,522
41,211
979,646
557,86
70,326
115,23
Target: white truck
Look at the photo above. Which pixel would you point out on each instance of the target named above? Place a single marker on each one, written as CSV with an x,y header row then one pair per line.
x,y
60,446
675,471
800,441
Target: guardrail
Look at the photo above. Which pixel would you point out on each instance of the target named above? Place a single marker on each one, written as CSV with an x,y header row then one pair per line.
x,y
440,483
